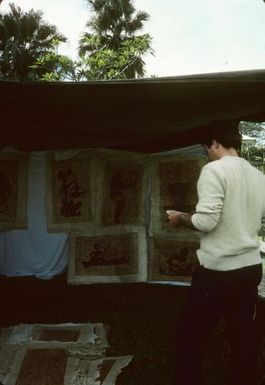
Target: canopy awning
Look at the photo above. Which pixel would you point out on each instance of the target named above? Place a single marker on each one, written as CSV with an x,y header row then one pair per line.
x,y
146,115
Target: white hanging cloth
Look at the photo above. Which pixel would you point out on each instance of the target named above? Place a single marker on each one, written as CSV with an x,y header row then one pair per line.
x,y
34,251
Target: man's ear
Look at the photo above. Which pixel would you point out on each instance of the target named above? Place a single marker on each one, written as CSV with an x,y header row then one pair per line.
x,y
215,143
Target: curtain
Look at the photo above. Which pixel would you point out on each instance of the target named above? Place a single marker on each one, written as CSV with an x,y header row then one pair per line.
x,y
34,251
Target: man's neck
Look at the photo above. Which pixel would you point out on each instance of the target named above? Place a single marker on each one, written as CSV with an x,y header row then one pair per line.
x,y
227,152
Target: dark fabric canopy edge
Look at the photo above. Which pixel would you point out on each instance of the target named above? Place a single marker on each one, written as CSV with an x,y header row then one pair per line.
x,y
147,115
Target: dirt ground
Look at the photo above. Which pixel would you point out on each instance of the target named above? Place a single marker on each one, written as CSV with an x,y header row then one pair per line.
x,y
142,320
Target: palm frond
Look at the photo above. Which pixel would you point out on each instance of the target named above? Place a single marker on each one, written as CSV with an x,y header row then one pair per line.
x,y
24,36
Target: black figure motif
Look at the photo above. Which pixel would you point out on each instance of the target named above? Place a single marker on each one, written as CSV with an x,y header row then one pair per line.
x,y
177,264
5,191
117,195
98,256
70,193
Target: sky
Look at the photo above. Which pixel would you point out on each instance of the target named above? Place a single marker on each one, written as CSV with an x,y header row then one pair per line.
x,y
188,36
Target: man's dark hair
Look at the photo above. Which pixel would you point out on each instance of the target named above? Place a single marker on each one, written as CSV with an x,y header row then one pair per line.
x,y
225,133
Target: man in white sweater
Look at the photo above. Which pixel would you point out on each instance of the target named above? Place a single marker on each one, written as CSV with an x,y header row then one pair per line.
x,y
230,214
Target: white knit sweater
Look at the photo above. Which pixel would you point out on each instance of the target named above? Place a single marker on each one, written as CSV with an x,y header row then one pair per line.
x,y
230,213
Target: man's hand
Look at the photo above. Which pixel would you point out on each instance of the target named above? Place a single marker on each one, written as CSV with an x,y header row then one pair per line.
x,y
178,218
174,217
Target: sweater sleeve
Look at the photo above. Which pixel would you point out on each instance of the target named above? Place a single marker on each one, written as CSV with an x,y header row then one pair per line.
x,y
211,190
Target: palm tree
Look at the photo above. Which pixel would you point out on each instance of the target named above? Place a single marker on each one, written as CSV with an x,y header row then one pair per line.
x,y
114,23
24,38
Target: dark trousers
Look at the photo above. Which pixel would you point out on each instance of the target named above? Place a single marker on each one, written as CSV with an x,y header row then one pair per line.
x,y
213,295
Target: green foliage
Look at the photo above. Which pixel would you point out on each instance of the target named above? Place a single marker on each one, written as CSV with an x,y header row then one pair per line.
x,y
24,38
104,64
112,43
114,20
111,50
254,130
55,67
255,153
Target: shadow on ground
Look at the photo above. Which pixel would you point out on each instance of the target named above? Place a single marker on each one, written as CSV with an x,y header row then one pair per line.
x,y
142,320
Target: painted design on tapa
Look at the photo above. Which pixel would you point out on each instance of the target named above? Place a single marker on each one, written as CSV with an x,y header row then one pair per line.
x,y
175,189
13,191
70,193
89,333
106,254
42,367
172,260
51,365
27,360
71,190
122,193
178,185
8,190
111,368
